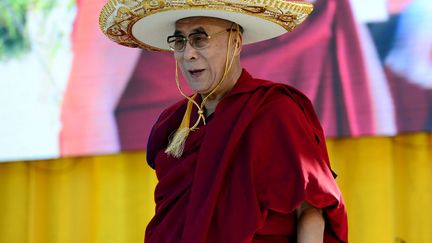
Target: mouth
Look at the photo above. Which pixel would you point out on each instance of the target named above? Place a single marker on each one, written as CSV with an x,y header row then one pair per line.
x,y
195,73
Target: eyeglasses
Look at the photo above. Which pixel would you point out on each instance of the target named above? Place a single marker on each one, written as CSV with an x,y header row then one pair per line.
x,y
198,40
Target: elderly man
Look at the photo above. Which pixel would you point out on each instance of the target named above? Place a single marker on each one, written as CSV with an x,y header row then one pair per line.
x,y
243,159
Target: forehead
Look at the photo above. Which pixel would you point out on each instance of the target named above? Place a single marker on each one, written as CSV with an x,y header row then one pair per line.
x,y
188,24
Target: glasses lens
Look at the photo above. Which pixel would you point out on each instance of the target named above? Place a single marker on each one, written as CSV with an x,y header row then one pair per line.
x,y
199,40
177,43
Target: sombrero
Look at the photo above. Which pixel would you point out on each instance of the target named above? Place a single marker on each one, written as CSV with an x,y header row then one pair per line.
x,y
147,23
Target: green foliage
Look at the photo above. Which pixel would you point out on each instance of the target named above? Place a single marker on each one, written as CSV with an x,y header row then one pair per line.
x,y
12,24
13,13
43,4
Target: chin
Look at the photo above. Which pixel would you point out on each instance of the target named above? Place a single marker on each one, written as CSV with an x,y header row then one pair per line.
x,y
201,92
199,89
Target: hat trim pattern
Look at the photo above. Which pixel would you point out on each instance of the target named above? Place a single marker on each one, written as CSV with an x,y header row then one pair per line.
x,y
118,16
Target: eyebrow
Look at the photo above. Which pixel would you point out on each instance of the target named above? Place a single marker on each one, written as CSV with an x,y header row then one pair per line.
x,y
196,30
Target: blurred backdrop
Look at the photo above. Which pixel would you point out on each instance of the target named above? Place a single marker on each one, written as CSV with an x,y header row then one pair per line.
x,y
76,111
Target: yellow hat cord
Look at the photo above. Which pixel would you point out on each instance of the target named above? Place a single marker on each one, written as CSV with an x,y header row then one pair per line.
x,y
177,141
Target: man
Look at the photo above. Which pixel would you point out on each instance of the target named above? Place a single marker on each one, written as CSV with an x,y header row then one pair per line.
x,y
242,160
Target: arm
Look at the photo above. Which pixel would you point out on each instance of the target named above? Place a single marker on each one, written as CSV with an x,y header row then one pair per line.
x,y
310,226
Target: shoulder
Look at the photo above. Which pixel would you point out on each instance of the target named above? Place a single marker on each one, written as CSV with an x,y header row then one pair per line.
x,y
272,100
281,105
289,108
282,96
288,114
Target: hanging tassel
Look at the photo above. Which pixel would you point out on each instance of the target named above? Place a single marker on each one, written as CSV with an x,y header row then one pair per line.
x,y
176,145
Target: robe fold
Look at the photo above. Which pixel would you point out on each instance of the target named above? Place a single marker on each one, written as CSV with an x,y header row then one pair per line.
x,y
243,174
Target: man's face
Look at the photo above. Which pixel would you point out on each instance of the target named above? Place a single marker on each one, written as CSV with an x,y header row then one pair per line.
x,y
203,68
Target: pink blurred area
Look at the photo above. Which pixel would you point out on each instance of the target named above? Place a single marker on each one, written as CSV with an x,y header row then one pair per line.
x,y
397,6
100,71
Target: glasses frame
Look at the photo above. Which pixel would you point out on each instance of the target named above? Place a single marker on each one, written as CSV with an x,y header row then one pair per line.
x,y
191,43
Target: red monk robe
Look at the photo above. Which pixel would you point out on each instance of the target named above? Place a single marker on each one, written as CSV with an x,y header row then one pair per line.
x,y
243,174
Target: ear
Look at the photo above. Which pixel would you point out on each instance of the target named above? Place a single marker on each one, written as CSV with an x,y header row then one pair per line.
x,y
238,42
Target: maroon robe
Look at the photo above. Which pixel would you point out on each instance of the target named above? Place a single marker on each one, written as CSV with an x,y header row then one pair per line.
x,y
243,175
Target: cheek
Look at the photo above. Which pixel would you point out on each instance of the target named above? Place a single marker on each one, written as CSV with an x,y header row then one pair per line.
x,y
216,58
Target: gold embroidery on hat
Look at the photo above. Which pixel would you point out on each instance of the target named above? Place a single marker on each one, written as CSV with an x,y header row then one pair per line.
x,y
153,4
116,30
254,9
287,18
197,2
118,16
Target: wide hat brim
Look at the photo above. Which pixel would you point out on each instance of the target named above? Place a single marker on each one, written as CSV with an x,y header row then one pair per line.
x,y
147,23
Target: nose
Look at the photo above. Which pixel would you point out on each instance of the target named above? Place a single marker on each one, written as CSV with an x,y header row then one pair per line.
x,y
189,52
